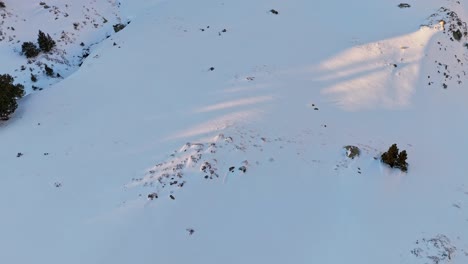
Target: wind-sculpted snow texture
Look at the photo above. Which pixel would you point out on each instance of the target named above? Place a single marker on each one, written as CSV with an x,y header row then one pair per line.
x,y
236,132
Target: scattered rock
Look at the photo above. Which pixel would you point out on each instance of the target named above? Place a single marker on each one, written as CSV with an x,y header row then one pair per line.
x,y
352,151
273,11
118,27
243,169
152,196
442,24
436,250
404,5
19,154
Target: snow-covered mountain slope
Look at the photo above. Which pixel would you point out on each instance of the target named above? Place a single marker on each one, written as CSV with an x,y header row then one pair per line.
x,y
213,132
76,26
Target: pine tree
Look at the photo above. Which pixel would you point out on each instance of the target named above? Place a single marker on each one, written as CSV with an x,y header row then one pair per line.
x,y
9,93
33,78
2,4
391,155
49,71
30,49
395,159
401,161
46,43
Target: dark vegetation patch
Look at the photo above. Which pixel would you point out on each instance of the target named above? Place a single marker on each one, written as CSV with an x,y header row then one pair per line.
x,y
30,50
9,93
395,159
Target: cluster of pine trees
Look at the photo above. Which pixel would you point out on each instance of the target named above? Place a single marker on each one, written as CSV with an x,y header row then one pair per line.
x,y
395,159
10,92
45,42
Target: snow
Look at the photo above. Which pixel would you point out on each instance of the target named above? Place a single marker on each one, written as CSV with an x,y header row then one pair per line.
x,y
287,93
70,23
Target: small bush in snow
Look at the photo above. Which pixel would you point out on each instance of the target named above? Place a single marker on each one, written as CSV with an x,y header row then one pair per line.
x,y
33,78
49,71
395,159
9,93
35,88
2,5
30,49
46,43
457,35
118,27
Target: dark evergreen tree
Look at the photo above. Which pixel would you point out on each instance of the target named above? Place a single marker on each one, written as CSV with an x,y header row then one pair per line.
x,y
30,50
395,159
2,5
46,43
457,35
49,71
391,155
33,78
9,93
401,161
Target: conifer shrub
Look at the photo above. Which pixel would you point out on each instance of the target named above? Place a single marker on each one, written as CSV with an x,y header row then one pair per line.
x,y
49,71
394,158
33,78
457,35
46,43
9,93
118,27
30,50
2,4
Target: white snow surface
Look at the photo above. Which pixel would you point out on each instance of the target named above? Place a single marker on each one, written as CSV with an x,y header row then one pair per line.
x,y
246,158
